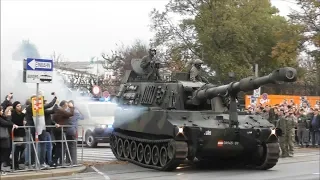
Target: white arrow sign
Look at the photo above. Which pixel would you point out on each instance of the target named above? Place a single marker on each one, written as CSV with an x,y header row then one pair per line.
x,y
36,64
32,64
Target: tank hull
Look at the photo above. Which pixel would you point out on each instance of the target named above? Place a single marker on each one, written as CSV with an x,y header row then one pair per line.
x,y
198,134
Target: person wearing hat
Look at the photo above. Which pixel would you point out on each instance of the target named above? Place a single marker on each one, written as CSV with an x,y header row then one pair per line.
x,y
195,72
17,117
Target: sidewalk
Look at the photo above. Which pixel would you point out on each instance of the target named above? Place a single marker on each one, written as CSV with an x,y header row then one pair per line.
x,y
43,173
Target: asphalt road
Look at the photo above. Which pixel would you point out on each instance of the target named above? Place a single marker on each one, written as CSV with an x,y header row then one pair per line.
x,y
303,166
102,153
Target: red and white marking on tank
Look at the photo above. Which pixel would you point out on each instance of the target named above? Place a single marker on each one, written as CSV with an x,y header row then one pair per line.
x,y
220,143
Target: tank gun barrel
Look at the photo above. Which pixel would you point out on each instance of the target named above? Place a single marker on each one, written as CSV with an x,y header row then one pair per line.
x,y
286,74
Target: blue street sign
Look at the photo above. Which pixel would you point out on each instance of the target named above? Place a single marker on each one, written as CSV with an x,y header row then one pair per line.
x,y
39,64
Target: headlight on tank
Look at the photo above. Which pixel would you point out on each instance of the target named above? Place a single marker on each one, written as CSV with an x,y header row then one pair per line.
x,y
179,130
276,131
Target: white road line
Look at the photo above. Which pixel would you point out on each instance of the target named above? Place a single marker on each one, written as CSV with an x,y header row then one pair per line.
x,y
101,173
316,173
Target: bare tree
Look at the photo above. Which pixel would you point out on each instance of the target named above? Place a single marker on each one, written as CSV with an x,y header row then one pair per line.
x,y
119,60
57,58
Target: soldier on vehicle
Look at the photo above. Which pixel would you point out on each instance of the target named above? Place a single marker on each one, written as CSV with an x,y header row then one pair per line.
x,y
150,65
195,72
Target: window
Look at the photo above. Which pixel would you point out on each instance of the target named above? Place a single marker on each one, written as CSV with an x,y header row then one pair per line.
x,y
101,110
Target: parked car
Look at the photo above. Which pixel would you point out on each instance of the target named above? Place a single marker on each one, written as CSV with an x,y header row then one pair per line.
x,y
96,126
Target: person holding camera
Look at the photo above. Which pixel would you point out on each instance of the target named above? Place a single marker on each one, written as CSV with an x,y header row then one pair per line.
x,y
61,117
7,102
30,122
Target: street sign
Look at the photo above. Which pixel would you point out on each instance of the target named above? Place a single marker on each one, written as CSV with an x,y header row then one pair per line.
x,y
264,96
37,106
37,70
256,92
96,90
105,94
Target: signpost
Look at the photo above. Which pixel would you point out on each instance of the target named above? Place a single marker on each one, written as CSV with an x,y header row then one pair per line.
x,y
39,71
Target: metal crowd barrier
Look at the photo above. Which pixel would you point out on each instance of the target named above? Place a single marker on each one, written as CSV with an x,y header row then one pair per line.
x,y
35,146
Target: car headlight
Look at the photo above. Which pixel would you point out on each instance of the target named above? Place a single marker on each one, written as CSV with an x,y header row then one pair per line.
x,y
110,126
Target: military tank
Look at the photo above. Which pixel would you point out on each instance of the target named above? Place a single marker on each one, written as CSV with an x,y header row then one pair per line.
x,y
160,124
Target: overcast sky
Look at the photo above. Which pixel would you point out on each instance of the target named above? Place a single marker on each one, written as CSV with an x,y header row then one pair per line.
x,y
80,29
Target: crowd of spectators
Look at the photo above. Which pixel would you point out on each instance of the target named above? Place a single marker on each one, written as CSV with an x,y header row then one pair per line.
x,y
17,117
298,120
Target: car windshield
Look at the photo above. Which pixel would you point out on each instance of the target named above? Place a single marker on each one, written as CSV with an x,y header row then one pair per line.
x,y
101,110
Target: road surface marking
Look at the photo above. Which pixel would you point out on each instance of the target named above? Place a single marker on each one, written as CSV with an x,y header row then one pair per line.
x,y
316,173
101,173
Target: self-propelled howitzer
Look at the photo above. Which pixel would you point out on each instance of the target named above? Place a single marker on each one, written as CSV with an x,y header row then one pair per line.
x,y
160,124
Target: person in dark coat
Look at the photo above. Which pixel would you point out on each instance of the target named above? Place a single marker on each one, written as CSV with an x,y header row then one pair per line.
x,y
7,111
61,117
17,118
315,128
5,137
29,113
29,118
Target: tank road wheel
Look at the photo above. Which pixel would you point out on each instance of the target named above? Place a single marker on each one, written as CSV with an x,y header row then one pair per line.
x,y
155,155
147,154
171,150
120,147
140,152
133,150
126,148
268,155
113,142
163,156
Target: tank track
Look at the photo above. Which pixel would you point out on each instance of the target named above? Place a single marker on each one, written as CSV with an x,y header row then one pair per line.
x,y
271,157
165,154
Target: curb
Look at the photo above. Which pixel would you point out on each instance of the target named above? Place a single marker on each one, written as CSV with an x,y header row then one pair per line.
x,y
44,173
